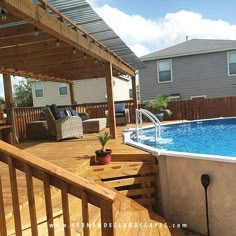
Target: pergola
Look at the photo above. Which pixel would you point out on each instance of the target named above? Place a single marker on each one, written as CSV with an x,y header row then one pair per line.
x,y
38,41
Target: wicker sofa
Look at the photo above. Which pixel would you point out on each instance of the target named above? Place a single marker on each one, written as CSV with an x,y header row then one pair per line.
x,y
67,127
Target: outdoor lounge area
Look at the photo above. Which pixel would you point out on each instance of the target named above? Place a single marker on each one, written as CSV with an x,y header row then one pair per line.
x,y
77,157
63,193
50,180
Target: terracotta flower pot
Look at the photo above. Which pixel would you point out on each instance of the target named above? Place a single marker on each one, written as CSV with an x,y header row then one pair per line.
x,y
103,157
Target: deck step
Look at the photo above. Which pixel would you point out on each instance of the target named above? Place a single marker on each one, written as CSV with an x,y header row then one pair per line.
x,y
135,176
129,216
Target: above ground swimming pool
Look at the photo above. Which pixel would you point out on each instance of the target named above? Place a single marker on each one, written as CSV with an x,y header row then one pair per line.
x,y
208,137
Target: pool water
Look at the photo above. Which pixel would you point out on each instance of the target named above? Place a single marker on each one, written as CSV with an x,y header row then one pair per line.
x,y
213,137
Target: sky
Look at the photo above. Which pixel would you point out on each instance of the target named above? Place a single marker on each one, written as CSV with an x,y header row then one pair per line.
x,y
152,25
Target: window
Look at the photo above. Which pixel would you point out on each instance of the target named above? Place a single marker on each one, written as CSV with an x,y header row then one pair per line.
x,y
38,89
198,97
232,63
164,69
63,89
174,98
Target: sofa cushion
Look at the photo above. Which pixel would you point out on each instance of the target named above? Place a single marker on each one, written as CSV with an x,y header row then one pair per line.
x,y
83,116
119,108
54,111
120,114
61,113
67,112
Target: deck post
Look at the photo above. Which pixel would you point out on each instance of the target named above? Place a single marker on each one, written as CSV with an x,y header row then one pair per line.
x,y
134,92
9,106
72,94
8,97
110,100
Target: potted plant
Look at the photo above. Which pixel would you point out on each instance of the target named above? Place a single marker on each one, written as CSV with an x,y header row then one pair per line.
x,y
160,103
103,155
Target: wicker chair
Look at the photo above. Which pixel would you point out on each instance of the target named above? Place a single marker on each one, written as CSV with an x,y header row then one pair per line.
x,y
68,127
121,114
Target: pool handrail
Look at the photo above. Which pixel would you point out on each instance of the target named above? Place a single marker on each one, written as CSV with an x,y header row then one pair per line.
x,y
151,117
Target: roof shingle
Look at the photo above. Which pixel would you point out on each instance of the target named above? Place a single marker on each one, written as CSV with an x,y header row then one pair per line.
x,y
191,47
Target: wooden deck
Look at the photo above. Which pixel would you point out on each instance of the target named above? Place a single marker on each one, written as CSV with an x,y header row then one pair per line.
x,y
74,155
69,154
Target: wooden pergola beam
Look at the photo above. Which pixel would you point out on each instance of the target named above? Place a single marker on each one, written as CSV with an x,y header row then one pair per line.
x,y
24,39
40,47
134,92
11,18
72,94
18,30
37,16
8,97
32,75
60,69
110,100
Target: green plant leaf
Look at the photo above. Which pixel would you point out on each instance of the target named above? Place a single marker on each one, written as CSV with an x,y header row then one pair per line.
x,y
160,103
103,139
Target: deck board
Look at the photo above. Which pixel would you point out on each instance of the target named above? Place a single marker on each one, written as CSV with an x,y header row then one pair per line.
x,y
74,155
71,154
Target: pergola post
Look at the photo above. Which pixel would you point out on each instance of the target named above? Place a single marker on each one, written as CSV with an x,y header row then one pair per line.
x,y
8,97
9,105
110,99
72,94
134,92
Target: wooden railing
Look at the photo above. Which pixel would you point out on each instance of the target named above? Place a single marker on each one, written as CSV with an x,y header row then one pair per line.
x,y
51,175
24,115
182,110
97,110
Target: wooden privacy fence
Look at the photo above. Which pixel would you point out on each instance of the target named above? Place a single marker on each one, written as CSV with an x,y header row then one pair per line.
x,y
32,169
203,108
200,108
182,110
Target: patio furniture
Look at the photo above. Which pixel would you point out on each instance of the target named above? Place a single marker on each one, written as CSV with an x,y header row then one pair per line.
x,y
121,114
6,133
67,127
37,129
94,125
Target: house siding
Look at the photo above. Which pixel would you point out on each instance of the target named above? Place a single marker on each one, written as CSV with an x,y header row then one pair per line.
x,y
86,91
50,95
203,74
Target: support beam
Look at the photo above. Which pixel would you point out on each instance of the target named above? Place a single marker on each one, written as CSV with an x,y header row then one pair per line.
x,y
72,94
37,16
9,105
110,100
134,92
8,97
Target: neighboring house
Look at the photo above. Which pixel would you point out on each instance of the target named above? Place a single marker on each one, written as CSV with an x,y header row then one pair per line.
x,y
199,68
86,91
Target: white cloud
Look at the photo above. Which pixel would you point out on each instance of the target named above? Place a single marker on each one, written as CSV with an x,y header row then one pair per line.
x,y
139,49
144,35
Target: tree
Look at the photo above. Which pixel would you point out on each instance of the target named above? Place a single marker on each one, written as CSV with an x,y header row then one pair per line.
x,y
23,94
2,105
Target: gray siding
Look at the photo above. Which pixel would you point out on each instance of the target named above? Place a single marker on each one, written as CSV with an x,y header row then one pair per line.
x,y
204,74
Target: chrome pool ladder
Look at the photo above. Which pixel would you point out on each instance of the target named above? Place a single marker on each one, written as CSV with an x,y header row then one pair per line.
x,y
139,122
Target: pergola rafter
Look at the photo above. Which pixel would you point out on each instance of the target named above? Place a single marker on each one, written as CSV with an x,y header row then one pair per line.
x,y
37,41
